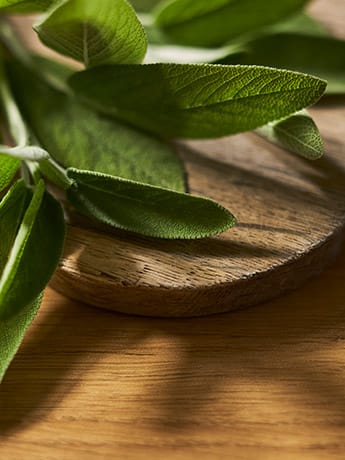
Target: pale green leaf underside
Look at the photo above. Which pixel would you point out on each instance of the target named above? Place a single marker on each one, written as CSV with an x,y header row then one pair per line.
x,y
12,331
8,169
95,32
196,101
297,133
24,6
144,209
212,23
76,136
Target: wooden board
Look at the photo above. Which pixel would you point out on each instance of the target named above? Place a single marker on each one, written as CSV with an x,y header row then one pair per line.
x,y
291,216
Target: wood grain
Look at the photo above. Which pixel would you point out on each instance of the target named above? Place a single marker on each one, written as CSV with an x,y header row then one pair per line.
x,y
261,384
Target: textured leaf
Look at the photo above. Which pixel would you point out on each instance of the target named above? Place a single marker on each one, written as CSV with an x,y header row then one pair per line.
x,y
24,6
34,254
12,209
317,55
77,136
212,23
12,331
297,133
196,101
94,32
145,209
8,168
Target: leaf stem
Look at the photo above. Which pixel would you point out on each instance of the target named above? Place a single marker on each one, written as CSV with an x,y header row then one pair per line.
x,y
15,121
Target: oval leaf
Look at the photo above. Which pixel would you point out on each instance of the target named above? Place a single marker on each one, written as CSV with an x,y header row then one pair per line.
x,y
34,255
78,137
196,101
144,209
94,32
212,23
12,331
8,168
298,134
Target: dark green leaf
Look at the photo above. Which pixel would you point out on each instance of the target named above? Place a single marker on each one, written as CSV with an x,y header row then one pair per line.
x,y
77,136
12,331
212,23
34,255
94,32
297,133
8,168
12,209
145,209
24,6
317,55
196,101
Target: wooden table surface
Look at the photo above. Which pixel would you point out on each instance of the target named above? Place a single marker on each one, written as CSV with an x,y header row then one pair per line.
x,y
265,383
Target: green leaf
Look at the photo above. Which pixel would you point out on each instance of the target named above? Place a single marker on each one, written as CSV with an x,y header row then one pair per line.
x,y
8,168
317,55
77,136
94,32
12,209
196,101
24,6
212,23
34,254
297,133
144,209
12,331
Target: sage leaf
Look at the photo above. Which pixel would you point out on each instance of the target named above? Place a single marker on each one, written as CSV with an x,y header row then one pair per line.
x,y
24,6
196,101
76,136
12,209
94,32
12,331
318,55
36,249
297,133
8,168
145,209
212,23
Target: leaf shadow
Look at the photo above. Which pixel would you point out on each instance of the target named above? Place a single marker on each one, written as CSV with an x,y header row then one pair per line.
x,y
212,356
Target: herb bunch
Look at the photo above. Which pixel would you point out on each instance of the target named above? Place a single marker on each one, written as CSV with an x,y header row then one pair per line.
x,y
103,135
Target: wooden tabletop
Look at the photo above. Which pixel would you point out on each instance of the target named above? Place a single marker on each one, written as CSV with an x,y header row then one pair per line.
x,y
264,383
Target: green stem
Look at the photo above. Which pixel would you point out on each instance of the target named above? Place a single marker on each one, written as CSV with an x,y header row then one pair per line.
x,y
15,121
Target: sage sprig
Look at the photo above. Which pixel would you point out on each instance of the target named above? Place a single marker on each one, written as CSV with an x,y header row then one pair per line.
x,y
105,135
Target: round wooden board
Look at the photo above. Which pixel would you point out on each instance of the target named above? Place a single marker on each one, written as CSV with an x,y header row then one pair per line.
x,y
291,217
